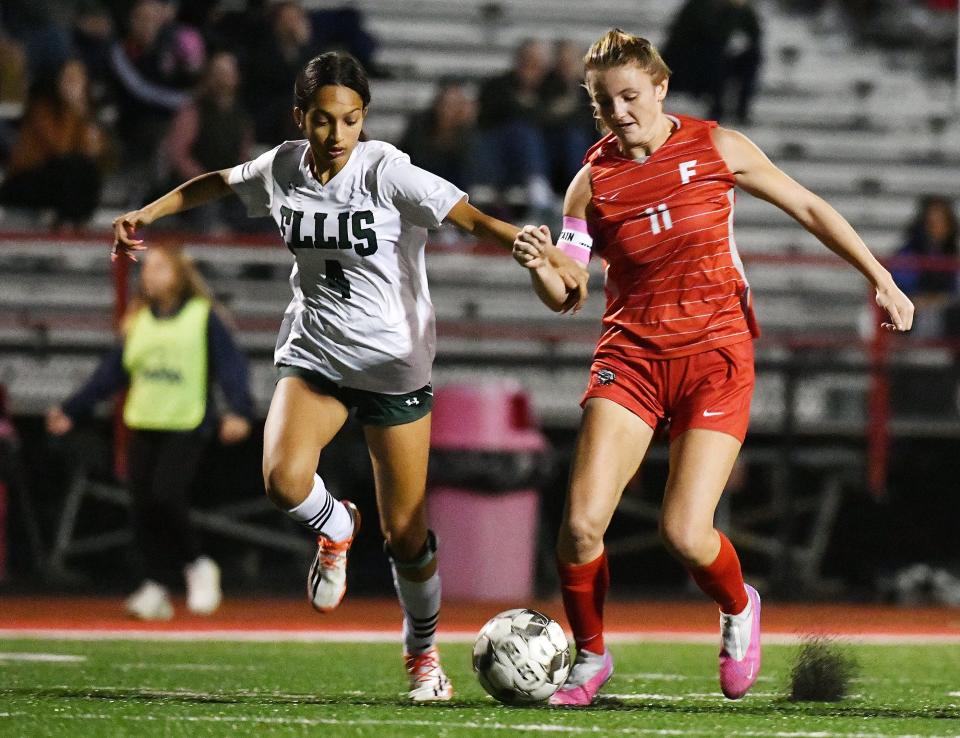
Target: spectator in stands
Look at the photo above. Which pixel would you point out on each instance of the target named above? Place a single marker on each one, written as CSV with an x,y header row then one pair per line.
x,y
933,232
438,138
693,48
41,27
13,83
153,66
93,38
568,121
740,32
174,343
713,48
272,63
509,150
55,160
342,28
211,132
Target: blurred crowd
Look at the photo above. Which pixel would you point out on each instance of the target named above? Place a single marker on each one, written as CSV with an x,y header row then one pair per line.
x,y
154,91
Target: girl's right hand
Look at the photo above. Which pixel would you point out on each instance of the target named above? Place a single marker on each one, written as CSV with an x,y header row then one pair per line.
x,y
124,228
58,422
530,246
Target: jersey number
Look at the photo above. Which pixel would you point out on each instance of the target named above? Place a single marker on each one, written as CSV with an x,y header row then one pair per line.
x,y
336,278
660,219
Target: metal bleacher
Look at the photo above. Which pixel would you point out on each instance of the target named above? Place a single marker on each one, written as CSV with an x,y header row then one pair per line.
x,y
868,135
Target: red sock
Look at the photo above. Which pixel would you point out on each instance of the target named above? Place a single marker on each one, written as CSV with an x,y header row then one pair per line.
x,y
722,580
584,588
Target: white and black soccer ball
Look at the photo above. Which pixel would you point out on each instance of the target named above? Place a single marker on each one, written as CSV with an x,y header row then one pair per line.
x,y
521,656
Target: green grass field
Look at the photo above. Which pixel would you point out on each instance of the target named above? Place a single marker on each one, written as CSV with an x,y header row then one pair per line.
x,y
150,688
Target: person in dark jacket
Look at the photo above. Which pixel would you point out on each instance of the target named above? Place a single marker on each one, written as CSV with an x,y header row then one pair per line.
x,y
932,236
438,138
174,345
509,150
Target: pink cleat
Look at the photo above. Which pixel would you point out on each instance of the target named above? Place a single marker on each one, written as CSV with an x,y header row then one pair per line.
x,y
589,673
740,648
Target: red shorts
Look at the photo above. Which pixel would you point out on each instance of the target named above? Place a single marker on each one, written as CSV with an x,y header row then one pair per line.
x,y
710,390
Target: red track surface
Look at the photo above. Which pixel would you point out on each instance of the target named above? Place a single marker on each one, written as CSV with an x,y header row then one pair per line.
x,y
686,618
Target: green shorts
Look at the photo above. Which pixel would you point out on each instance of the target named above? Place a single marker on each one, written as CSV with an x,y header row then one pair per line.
x,y
373,408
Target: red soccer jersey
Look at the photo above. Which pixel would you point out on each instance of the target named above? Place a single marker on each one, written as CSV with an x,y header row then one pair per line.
x,y
664,228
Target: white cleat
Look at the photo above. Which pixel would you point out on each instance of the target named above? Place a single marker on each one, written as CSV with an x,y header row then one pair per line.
x,y
203,586
327,578
150,602
428,683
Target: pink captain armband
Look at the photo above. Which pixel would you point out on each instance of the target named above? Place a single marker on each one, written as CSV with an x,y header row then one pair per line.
x,y
575,240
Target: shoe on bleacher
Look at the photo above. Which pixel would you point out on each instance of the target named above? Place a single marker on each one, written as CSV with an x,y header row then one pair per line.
x,y
428,683
203,586
589,673
151,601
327,578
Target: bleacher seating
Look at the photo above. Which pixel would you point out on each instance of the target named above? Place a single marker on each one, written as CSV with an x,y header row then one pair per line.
x,y
867,135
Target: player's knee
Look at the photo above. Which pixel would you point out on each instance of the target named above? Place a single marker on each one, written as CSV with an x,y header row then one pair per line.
x,y
685,541
286,484
582,535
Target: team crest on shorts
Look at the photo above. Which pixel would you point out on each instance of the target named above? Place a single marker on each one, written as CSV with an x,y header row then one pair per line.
x,y
605,377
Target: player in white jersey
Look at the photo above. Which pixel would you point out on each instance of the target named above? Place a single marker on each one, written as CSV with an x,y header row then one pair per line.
x,y
358,333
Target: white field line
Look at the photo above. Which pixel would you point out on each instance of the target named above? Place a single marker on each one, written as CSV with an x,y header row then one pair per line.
x,y
653,696
54,658
446,725
151,666
654,677
450,636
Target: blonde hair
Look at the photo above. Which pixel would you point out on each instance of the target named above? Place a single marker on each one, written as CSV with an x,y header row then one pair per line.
x,y
617,47
189,283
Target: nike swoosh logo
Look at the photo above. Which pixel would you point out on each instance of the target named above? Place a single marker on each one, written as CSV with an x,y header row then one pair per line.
x,y
708,414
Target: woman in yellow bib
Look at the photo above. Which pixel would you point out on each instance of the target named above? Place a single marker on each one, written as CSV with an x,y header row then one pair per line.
x,y
173,345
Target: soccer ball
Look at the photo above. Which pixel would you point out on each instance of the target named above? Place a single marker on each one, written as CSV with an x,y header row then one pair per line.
x,y
521,656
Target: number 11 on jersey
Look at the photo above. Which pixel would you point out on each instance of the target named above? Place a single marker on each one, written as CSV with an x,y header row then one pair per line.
x,y
658,216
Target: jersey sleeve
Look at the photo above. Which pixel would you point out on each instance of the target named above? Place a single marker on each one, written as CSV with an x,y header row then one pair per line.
x,y
420,197
252,181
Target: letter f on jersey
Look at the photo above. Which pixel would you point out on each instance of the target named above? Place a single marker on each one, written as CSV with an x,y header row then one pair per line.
x,y
687,170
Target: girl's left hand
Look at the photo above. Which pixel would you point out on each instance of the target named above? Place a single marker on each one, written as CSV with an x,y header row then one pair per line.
x,y
897,306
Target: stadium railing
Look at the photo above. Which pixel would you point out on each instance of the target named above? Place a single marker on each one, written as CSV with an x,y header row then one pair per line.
x,y
824,374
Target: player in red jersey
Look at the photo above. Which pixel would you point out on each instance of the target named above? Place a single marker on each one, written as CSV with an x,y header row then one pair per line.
x,y
655,201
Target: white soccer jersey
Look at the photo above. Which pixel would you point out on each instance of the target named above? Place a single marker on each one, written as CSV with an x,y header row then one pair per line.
x,y
361,313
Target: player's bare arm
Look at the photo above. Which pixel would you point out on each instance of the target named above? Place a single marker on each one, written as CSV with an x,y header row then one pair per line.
x,y
197,191
529,251
468,218
756,174
532,243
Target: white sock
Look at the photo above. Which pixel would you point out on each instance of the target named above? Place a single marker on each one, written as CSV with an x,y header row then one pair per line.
x,y
736,631
420,602
322,513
